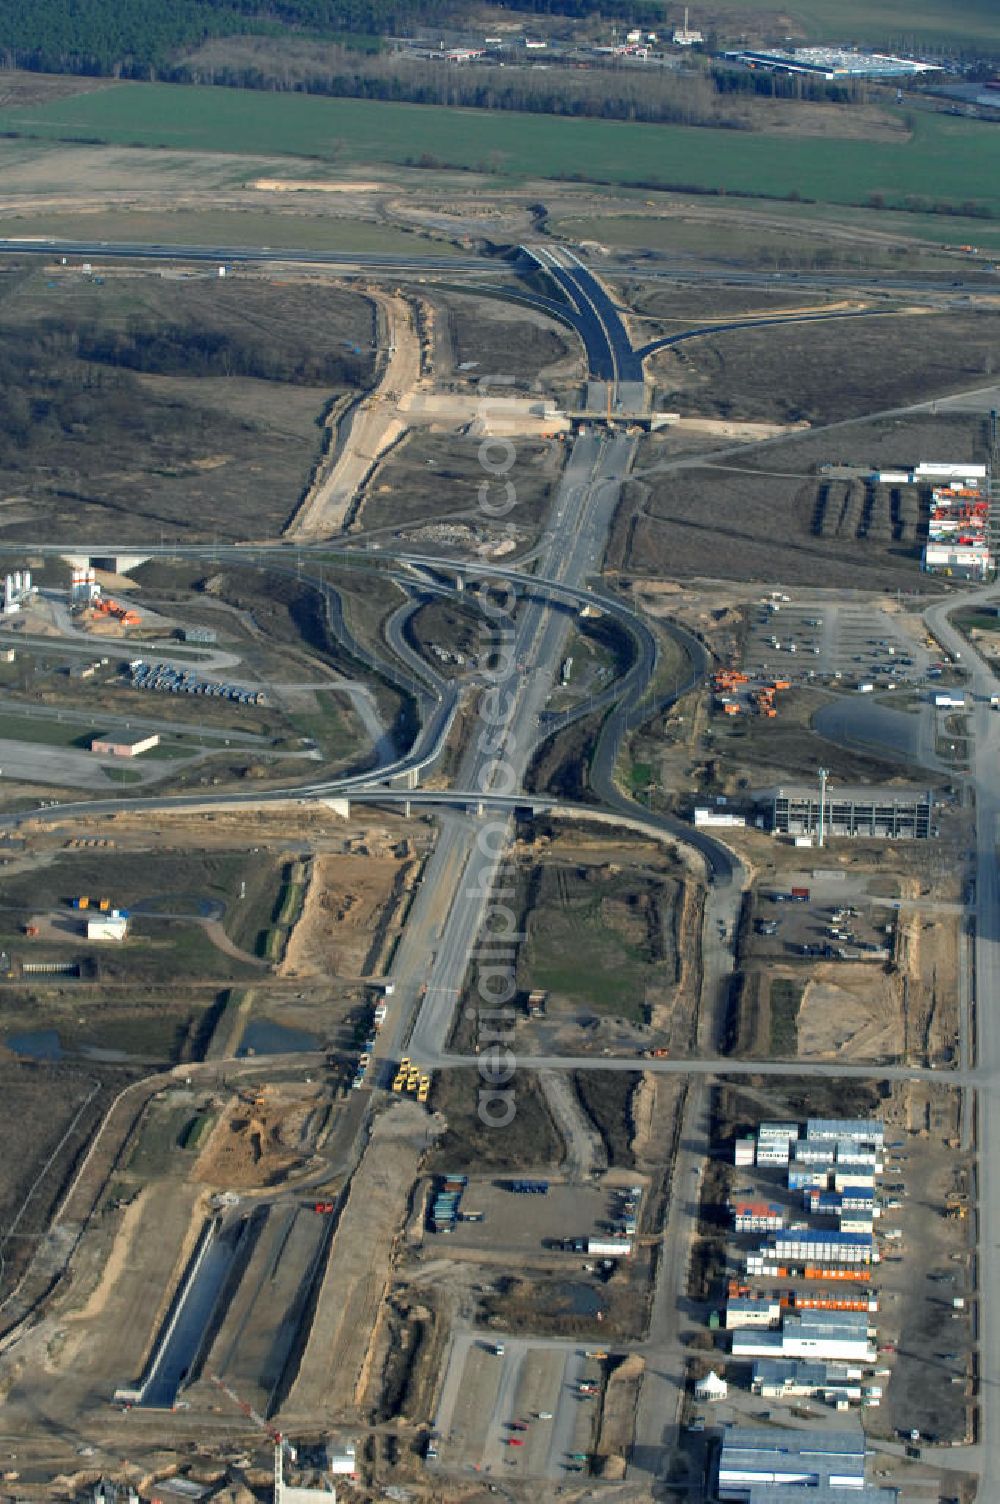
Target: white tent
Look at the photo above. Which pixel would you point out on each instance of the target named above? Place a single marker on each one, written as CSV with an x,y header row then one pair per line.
x,y
711,1387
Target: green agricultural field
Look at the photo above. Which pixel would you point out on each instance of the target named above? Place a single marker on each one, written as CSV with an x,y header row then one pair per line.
x,y
951,24
947,160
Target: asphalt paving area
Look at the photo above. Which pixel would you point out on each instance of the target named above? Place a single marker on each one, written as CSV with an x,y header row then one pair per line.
x,y
861,721
333,1371
518,1413
819,984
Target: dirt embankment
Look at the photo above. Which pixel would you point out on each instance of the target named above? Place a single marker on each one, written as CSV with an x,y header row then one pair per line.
x,y
352,908
621,1396
371,428
643,1106
257,1141
851,1012
334,1370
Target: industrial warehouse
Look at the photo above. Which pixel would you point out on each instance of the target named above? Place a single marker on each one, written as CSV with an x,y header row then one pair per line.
x,y
872,810
814,1467
833,63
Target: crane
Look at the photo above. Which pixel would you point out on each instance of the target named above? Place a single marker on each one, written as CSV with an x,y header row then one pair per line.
x,y
251,1413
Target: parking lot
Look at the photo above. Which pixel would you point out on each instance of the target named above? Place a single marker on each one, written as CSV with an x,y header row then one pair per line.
x,y
804,640
839,921
521,1224
518,1411
167,678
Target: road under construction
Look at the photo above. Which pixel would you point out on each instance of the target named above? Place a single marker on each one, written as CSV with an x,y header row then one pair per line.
x,y
475,816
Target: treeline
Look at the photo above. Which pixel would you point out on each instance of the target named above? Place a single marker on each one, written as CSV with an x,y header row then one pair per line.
x,y
657,98
176,351
719,97
64,390
46,398
58,383
744,83
137,38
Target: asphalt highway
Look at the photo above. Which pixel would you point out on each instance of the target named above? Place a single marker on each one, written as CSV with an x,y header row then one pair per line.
x,y
610,356
237,255
499,745
440,710
686,271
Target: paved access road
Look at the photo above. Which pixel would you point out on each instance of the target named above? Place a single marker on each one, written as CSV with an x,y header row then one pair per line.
x,y
985,1045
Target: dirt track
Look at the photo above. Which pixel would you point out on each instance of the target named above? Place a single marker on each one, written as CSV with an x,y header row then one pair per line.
x,y
373,428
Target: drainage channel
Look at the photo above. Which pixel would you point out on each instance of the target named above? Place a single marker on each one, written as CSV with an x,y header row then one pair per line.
x,y
179,1345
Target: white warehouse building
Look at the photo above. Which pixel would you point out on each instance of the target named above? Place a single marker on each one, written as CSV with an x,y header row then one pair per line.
x,y
819,1335
814,1467
779,1378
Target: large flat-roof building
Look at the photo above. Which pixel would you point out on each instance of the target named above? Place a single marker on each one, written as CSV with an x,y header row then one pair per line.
x,y
832,63
790,1378
873,810
821,1467
823,1336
